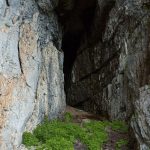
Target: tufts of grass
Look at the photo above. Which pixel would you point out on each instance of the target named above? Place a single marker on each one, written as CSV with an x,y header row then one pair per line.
x,y
68,117
56,143
29,139
121,143
96,134
119,126
58,135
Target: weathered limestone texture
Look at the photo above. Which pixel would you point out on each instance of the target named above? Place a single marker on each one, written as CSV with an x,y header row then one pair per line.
x,y
111,74
31,67
141,118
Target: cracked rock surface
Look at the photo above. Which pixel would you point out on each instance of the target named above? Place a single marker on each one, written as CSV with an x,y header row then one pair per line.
x,y
31,68
111,72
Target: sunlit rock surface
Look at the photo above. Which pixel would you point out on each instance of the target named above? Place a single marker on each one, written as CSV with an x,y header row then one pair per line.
x,y
31,68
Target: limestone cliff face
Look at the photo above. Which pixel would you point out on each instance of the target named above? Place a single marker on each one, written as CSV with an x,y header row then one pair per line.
x,y
111,73
31,67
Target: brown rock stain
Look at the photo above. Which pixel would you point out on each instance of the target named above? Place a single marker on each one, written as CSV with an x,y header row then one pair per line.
x,y
5,29
6,97
27,43
6,91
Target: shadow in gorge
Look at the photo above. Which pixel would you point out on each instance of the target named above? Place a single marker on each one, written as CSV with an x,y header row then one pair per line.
x,y
70,45
76,18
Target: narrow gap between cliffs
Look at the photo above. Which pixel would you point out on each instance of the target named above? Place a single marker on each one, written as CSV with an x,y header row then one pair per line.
x,y
76,18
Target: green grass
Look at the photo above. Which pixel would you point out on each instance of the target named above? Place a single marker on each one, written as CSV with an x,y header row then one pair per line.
x,y
61,135
29,139
68,117
119,126
121,143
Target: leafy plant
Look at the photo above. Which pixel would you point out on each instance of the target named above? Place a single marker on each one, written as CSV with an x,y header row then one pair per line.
x,y
29,139
68,117
119,126
97,134
56,143
121,143
58,135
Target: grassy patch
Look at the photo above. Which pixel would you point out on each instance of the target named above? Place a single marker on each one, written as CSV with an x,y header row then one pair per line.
x,y
62,135
29,139
68,117
119,126
121,143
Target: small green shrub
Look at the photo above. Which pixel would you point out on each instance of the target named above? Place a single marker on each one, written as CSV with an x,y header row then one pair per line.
x,y
58,135
121,143
56,143
29,139
68,117
119,126
97,134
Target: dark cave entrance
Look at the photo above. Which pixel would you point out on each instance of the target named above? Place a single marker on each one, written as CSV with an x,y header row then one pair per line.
x,y
70,45
76,17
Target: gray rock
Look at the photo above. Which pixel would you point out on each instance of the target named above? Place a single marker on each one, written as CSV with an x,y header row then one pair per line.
x,y
31,69
141,119
107,77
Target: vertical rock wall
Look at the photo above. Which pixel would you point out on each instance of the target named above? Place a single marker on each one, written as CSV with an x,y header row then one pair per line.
x,y
31,67
111,74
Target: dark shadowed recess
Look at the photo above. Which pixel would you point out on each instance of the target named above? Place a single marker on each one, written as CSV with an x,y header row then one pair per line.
x,y
76,18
